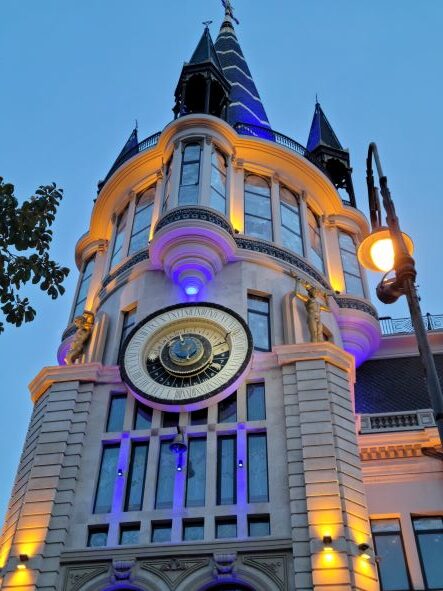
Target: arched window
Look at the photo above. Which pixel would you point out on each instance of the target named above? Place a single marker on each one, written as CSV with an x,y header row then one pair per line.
x,y
258,213
351,266
316,248
141,225
218,181
190,175
83,288
117,249
290,221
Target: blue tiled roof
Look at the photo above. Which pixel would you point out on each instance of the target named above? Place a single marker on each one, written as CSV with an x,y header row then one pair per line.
x,y
246,105
321,132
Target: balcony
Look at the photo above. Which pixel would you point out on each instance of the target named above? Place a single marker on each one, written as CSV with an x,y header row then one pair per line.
x,y
393,326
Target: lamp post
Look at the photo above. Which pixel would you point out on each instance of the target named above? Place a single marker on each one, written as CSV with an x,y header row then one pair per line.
x,y
388,248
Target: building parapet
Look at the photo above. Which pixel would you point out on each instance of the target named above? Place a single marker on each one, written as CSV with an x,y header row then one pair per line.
x,y
396,421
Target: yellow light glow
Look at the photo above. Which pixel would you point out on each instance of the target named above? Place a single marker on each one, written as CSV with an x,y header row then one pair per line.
x,y
21,566
376,252
382,254
328,555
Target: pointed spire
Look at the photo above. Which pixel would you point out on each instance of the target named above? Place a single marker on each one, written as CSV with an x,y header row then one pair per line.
x,y
245,102
205,51
321,131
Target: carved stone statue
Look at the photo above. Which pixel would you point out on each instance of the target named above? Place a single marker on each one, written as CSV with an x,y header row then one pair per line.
x,y
84,324
313,309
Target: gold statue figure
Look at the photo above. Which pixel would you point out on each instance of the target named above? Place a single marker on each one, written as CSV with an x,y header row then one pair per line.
x,y
313,310
84,324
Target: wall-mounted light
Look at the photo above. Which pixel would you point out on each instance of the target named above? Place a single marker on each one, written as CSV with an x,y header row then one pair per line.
x,y
120,472
327,543
363,549
179,447
240,463
23,561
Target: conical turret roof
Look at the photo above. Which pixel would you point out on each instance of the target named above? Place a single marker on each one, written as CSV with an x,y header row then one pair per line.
x,y
205,51
321,131
245,102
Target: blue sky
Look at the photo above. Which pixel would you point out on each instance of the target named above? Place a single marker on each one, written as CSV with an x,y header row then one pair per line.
x,y
75,76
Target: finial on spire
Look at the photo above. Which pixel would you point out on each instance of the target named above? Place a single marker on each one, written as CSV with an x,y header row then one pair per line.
x,y
229,10
136,125
207,23
316,99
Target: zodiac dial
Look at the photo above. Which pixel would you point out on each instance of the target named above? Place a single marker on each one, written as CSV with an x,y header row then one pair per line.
x,y
185,355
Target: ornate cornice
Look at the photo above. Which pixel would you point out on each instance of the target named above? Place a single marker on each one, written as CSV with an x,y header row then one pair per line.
x,y
356,304
194,213
282,255
143,255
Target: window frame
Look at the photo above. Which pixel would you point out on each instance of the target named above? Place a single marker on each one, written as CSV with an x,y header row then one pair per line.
x,y
124,213
270,220
417,533
390,533
345,272
317,231
214,151
148,205
253,296
182,167
80,284
290,207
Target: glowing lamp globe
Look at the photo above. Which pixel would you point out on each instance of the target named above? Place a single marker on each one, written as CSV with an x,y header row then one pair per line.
x,y
376,252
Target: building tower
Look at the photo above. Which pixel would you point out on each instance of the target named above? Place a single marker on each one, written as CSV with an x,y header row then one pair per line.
x,y
199,432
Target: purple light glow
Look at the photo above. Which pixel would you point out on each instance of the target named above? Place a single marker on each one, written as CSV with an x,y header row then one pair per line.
x,y
191,290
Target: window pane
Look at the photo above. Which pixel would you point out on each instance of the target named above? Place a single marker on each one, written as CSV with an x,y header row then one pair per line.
x,y
218,180
431,551
259,526
346,242
165,477
117,252
116,413
392,567
217,201
161,532
170,419
97,537
257,184
190,174
256,406
127,326
257,468
139,241
196,473
106,479
188,195
199,417
191,152
193,531
425,523
258,227
226,472
84,287
143,417
227,409
142,218
354,285
226,528
350,263
129,535
259,325
258,304
290,217
136,477
291,241
315,241
385,525
258,206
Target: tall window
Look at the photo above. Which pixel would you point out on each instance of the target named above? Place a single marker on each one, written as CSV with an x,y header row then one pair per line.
x,y
190,175
429,535
290,221
106,479
165,477
351,266
141,225
388,544
259,322
227,409
88,269
196,473
116,413
257,468
316,249
258,212
218,181
255,401
120,231
226,470
136,477
167,190
127,326
143,417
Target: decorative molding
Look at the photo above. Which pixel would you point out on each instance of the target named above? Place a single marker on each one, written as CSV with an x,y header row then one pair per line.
x,y
325,351
356,304
78,372
224,565
77,576
391,452
396,421
122,570
174,570
275,566
282,255
179,214
143,255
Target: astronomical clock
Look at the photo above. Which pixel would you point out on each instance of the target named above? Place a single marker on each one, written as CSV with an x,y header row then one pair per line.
x,y
186,356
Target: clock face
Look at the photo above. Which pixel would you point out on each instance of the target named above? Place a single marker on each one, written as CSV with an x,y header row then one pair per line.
x,y
186,355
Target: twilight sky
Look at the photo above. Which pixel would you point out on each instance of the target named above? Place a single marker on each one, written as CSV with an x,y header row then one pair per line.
x,y
75,76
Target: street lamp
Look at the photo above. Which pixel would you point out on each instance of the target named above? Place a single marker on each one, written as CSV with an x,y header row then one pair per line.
x,y
387,248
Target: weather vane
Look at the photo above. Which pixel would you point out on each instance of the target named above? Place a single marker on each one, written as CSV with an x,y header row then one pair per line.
x,y
207,23
230,10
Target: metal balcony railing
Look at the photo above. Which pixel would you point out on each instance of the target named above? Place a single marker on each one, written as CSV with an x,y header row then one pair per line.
x,y
391,326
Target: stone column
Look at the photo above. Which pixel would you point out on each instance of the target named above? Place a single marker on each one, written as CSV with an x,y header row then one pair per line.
x,y
326,488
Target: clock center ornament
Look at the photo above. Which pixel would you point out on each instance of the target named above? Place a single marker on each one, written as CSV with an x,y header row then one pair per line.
x,y
187,356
